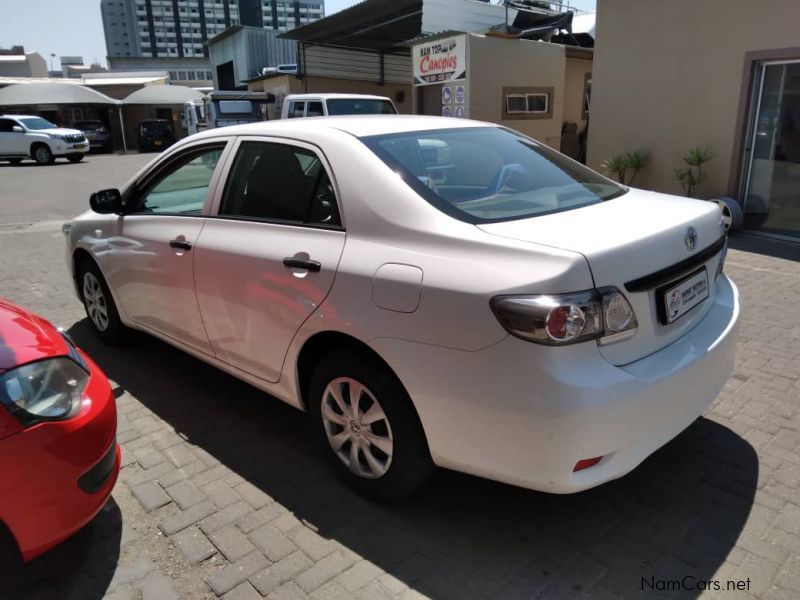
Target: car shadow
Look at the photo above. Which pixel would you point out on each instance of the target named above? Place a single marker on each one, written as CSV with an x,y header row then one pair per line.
x,y
80,567
679,514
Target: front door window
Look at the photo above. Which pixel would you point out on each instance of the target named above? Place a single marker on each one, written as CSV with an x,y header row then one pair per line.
x,y
772,180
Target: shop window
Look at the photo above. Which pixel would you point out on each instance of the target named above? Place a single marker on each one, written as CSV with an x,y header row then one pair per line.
x,y
527,103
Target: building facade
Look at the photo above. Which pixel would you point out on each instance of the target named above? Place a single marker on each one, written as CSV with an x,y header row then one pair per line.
x,y
241,53
724,76
180,28
31,64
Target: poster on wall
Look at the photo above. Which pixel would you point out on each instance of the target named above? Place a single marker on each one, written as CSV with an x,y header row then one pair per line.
x,y
447,94
440,61
460,112
461,94
447,111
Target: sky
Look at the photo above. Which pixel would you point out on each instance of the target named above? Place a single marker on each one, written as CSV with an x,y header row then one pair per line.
x,y
74,27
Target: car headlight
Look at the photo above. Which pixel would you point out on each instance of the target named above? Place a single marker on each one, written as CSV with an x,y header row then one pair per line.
x,y
47,390
56,136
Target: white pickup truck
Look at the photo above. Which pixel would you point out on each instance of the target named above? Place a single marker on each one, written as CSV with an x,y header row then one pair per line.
x,y
323,105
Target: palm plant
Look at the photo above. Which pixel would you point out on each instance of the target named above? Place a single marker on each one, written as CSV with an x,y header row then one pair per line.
x,y
626,165
691,176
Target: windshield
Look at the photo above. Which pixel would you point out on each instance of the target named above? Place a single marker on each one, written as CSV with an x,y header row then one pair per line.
x,y
360,106
37,123
486,174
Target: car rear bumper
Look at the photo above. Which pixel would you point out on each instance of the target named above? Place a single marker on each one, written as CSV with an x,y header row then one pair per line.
x,y
56,476
525,414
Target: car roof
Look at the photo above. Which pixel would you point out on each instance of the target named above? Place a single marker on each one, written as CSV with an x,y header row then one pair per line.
x,y
332,96
20,117
355,125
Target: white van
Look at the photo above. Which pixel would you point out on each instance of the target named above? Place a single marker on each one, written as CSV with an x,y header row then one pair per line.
x,y
323,105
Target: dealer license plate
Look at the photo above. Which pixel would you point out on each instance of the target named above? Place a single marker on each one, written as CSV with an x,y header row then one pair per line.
x,y
685,295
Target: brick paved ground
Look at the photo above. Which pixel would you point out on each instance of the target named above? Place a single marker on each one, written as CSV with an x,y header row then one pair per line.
x,y
222,495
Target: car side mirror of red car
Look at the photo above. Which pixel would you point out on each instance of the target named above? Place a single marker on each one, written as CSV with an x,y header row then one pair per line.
x,y
106,202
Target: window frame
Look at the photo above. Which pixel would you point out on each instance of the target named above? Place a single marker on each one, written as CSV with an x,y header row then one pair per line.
x,y
527,92
147,180
228,168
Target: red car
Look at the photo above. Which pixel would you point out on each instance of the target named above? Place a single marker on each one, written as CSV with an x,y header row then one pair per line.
x,y
59,457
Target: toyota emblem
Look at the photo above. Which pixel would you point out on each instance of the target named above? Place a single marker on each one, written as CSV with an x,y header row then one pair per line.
x,y
691,238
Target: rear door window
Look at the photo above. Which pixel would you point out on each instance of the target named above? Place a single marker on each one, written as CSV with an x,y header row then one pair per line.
x,y
279,182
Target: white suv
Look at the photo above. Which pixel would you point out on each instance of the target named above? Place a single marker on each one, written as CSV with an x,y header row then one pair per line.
x,y
23,136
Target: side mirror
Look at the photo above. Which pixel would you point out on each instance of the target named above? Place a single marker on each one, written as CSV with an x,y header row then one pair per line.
x,y
106,202
17,129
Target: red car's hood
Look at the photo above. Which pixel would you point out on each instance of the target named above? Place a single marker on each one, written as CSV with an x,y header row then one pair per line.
x,y
26,337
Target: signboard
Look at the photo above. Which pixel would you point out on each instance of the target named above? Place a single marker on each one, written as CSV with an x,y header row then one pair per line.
x,y
440,61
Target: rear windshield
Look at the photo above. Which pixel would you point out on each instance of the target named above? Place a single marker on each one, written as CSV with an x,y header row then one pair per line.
x,y
487,174
89,125
360,106
154,128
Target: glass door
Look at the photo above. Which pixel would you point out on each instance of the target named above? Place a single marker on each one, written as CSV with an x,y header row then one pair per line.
x,y
771,187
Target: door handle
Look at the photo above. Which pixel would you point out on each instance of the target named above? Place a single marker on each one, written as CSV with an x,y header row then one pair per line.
x,y
180,245
297,263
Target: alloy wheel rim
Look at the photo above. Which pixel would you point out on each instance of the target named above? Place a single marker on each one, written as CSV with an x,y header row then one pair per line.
x,y
95,301
357,428
42,155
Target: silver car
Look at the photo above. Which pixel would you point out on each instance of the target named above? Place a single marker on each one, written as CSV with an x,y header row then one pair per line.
x,y
432,291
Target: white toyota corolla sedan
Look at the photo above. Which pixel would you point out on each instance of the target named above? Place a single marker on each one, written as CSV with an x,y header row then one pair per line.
x,y
432,291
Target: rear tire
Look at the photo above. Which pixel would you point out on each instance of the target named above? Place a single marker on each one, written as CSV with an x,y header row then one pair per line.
x,y
75,158
99,304
43,155
379,448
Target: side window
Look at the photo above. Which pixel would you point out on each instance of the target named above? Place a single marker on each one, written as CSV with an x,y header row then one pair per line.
x,y
279,182
296,109
182,190
315,109
6,125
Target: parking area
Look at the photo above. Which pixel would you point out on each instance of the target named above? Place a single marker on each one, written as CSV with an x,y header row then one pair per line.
x,y
222,492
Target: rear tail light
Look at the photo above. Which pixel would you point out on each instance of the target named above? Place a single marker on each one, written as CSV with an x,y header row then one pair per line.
x,y
558,319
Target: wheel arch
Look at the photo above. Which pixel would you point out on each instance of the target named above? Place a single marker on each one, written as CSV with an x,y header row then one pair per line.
x,y
37,143
78,256
9,542
323,342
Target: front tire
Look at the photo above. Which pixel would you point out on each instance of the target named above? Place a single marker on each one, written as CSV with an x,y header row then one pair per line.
x,y
43,155
75,158
367,425
99,304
